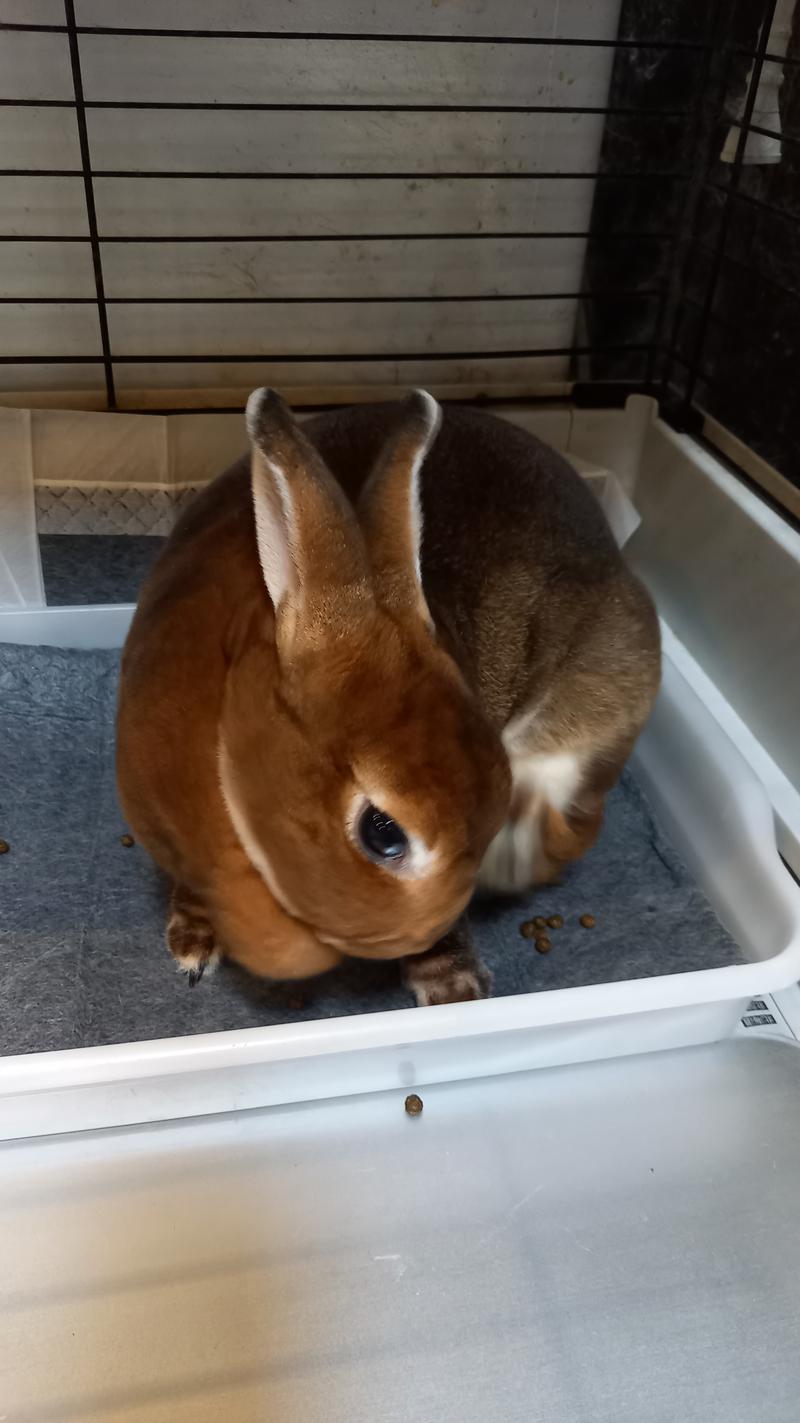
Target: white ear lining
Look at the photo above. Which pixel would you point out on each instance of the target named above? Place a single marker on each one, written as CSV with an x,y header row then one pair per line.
x,y
433,419
415,512
274,515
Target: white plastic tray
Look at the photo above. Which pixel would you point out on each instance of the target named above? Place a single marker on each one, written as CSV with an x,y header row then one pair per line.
x,y
612,1243
711,805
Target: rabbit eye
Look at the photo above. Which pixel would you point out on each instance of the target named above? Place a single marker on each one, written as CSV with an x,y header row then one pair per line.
x,y
380,837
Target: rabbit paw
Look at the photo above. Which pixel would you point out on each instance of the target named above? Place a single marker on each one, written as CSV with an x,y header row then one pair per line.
x,y
191,939
450,972
448,986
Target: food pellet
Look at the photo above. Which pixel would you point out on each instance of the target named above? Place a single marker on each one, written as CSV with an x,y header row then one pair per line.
x,y
4,847
588,921
555,922
539,922
528,930
542,944
413,1105
127,841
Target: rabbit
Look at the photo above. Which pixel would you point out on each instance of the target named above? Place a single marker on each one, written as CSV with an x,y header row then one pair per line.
x,y
388,657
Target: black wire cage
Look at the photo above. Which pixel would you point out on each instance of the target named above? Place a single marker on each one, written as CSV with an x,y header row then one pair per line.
x,y
689,276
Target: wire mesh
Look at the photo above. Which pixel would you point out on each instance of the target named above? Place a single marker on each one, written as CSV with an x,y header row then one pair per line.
x,y
674,234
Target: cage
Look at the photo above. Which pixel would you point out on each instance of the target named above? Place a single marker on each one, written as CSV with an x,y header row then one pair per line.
x,y
579,215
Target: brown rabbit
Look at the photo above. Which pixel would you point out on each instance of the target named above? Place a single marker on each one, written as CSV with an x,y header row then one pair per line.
x,y
384,658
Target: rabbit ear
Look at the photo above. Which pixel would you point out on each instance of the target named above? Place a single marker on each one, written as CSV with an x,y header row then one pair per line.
x,y
309,544
390,509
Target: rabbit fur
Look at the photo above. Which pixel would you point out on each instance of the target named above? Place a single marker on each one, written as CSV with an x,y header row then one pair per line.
x,y
390,606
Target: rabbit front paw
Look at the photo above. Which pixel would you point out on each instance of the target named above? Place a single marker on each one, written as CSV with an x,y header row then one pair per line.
x,y
450,972
191,938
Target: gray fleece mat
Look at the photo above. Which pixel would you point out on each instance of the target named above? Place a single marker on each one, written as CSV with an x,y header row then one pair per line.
x,y
96,568
82,957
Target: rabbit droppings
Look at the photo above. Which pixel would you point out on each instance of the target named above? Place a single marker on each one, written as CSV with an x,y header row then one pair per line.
x,y
381,660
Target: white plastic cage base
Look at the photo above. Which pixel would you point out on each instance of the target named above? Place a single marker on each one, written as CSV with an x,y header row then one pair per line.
x,y
714,769
82,473
515,1253
717,815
